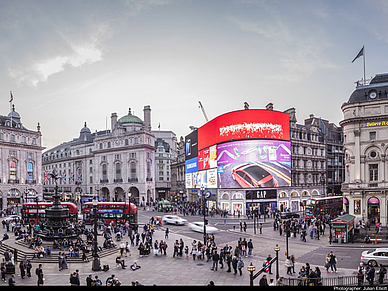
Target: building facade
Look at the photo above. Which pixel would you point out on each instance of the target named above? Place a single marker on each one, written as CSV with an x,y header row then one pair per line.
x,y
114,164
366,146
20,161
165,155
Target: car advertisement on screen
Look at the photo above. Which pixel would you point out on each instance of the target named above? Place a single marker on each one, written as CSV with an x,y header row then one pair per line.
x,y
254,164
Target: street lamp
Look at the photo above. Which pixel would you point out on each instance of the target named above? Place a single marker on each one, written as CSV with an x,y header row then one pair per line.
x,y
96,260
251,268
277,249
204,213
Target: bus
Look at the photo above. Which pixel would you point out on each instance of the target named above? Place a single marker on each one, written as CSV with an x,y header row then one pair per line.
x,y
111,211
29,211
321,206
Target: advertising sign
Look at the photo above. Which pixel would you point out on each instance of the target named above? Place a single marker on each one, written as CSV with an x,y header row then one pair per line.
x,y
207,158
191,165
244,124
254,164
191,145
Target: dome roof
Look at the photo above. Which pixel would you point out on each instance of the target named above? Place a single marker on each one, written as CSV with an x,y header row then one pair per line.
x,y
379,85
14,114
85,129
130,118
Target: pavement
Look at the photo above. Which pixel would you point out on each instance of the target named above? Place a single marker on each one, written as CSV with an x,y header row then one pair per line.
x,y
166,270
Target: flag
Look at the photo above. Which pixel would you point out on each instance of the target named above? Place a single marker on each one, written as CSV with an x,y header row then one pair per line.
x,y
71,178
10,100
361,53
159,125
45,176
64,177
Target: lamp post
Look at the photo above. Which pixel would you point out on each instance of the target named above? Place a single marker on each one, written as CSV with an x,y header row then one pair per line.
x,y
204,213
96,260
251,268
277,249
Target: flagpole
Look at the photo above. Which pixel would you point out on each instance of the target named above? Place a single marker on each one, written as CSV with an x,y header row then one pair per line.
x,y
364,64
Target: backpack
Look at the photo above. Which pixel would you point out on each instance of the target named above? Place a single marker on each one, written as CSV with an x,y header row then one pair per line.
x,y
109,282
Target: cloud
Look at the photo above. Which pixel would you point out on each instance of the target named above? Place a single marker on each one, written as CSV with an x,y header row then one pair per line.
x,y
41,39
300,53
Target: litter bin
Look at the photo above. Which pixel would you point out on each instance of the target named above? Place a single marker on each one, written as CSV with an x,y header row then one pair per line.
x,y
10,268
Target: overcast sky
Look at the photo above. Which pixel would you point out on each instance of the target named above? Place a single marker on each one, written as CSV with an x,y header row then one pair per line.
x,y
68,62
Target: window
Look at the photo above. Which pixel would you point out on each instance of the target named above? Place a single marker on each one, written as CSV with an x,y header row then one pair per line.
x,y
12,171
105,172
118,171
372,135
133,170
373,172
30,172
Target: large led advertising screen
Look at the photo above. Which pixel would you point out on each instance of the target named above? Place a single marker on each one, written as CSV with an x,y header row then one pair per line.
x,y
254,164
244,124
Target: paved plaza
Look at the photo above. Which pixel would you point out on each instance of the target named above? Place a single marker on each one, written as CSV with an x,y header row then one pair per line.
x,y
166,270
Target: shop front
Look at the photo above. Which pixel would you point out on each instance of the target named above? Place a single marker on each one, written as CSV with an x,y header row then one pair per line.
x,y
261,200
343,228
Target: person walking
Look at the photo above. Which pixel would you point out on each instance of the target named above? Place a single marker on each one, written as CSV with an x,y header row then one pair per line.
x,y
263,281
327,262
215,258
288,265
333,262
382,273
250,247
370,274
240,265
39,273
234,265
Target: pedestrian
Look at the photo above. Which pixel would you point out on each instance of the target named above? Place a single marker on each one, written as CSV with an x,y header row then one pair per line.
x,y
327,262
288,265
234,265
166,233
292,259
360,274
333,262
250,247
22,268
261,228
39,273
370,274
11,280
89,280
3,271
382,273
240,265
263,281
228,261
215,259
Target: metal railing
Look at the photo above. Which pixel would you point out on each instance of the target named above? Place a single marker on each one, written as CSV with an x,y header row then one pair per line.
x,y
334,281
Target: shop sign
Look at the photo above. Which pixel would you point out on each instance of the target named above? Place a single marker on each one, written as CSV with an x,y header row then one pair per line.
x,y
261,194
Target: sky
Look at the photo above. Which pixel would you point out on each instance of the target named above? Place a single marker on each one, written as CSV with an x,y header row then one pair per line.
x,y
70,62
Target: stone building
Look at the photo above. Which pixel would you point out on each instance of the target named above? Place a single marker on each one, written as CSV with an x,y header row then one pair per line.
x,y
110,163
20,161
365,127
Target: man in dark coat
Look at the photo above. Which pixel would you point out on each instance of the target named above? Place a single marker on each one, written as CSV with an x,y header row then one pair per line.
x,y
263,281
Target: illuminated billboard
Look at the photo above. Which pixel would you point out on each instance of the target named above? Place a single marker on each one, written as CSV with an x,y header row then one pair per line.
x,y
207,158
254,164
244,124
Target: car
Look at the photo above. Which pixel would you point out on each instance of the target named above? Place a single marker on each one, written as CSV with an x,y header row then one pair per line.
x,y
253,176
198,227
286,215
173,219
12,218
375,257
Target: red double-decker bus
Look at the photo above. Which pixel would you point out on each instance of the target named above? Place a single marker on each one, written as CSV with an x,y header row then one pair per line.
x,y
29,211
321,206
111,211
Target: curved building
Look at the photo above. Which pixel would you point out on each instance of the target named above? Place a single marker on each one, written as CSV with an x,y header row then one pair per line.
x,y
365,127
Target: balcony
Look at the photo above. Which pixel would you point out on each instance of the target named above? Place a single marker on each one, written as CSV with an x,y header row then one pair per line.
x,y
118,180
103,181
132,180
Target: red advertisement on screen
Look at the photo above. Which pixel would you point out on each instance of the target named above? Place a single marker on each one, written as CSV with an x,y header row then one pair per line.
x,y
244,124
